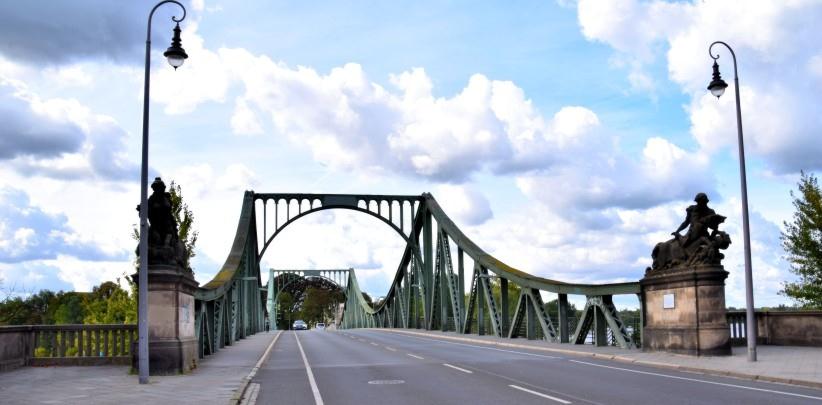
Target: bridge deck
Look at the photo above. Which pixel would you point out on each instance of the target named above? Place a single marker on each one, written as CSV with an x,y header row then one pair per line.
x,y
344,362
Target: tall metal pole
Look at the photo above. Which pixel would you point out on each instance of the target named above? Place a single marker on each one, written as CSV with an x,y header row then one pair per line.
x,y
142,306
746,233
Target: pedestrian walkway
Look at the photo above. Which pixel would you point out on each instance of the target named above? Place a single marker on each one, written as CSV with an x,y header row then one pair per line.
x,y
782,364
213,382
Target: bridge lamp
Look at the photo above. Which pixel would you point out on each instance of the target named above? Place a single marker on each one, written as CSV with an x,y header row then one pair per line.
x,y
717,88
176,55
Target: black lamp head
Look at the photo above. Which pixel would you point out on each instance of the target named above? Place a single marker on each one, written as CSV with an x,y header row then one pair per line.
x,y
175,54
717,86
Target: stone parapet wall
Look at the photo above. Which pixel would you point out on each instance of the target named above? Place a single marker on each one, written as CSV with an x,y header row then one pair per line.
x,y
782,328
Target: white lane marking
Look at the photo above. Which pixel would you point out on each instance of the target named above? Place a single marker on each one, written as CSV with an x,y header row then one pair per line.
x,y
415,356
391,348
374,344
539,394
485,347
458,368
318,399
698,380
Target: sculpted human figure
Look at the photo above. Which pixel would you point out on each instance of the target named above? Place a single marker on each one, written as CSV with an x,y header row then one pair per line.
x,y
696,216
160,218
698,246
164,245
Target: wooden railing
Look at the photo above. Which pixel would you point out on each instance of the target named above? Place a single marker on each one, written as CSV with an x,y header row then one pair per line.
x,y
78,345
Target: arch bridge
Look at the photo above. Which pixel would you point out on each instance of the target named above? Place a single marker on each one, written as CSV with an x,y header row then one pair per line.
x,y
443,281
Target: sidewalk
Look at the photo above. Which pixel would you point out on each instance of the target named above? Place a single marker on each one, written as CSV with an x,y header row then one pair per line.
x,y
213,382
782,364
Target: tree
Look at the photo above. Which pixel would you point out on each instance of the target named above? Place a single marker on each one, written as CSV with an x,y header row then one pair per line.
x,y
802,241
184,219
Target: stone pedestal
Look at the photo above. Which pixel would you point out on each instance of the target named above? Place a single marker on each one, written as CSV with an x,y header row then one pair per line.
x,y
172,343
684,311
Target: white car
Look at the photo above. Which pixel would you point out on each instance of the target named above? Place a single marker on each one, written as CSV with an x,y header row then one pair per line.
x,y
319,326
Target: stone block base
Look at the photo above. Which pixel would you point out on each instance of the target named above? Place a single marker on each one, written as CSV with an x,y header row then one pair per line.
x,y
685,312
172,342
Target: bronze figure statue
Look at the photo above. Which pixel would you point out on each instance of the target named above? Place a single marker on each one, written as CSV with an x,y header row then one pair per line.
x,y
164,245
698,246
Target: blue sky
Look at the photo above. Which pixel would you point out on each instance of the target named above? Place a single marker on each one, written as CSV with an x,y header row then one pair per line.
x,y
565,137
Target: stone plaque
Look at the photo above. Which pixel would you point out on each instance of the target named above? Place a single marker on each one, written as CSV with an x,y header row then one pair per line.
x,y
668,301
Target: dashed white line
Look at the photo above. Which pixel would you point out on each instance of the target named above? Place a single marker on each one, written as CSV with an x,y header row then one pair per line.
x,y
458,368
391,348
374,344
415,356
545,356
539,394
318,399
698,380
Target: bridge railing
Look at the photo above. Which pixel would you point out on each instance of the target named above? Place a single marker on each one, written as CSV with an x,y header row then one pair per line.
x,y
784,328
64,345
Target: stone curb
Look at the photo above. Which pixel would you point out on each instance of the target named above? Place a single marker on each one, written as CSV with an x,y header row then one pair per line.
x,y
240,391
723,373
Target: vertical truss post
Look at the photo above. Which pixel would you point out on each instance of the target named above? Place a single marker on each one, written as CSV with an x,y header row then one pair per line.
x,y
531,318
503,285
562,304
600,327
480,300
428,267
461,278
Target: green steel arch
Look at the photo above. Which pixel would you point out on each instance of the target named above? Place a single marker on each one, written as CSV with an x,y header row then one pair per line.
x,y
427,289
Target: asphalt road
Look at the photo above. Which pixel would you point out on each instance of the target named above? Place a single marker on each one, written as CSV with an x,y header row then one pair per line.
x,y
376,367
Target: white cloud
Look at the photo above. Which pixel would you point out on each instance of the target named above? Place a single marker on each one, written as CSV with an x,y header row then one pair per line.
x,y
465,204
772,41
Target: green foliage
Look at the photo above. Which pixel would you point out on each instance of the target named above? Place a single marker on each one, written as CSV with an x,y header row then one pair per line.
x,y
71,351
107,303
41,352
110,304
802,240
319,304
184,219
70,309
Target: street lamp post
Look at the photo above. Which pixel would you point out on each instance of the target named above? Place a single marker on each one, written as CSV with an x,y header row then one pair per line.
x,y
176,56
717,88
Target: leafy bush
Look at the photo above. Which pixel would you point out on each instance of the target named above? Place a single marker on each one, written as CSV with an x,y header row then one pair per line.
x,y
71,351
41,352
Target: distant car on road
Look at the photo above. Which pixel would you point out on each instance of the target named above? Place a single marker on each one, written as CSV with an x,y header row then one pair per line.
x,y
319,326
299,325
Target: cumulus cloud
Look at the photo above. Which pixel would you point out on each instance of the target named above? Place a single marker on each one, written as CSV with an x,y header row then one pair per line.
x,y
60,32
348,121
465,204
780,117
29,233
30,128
59,138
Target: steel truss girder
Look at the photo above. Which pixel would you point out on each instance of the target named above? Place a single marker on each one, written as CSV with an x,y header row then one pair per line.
x,y
600,315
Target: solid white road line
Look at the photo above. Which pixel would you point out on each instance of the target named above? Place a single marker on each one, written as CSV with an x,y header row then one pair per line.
x,y
458,368
544,356
415,356
698,380
318,399
539,394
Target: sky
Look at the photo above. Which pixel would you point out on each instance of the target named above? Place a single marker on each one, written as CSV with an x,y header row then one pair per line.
x,y
564,137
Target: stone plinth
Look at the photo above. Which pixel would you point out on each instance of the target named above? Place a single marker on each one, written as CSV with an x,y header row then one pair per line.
x,y
172,343
684,311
